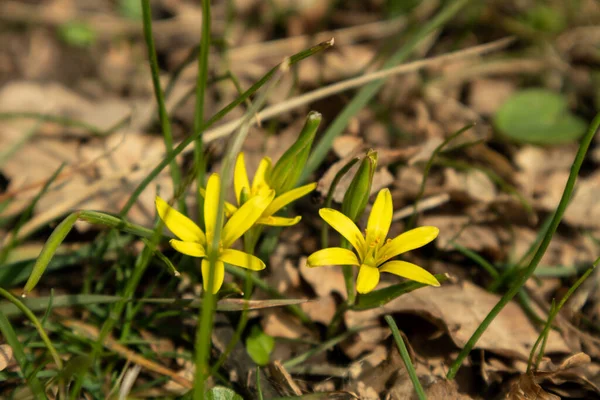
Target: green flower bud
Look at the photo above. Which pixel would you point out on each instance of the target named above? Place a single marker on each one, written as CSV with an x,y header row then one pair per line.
x,y
357,195
287,171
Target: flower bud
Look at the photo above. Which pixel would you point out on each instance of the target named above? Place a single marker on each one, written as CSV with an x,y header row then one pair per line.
x,y
357,195
287,171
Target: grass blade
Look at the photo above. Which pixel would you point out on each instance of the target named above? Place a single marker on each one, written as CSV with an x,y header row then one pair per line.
x,y
406,358
365,95
165,123
13,341
527,272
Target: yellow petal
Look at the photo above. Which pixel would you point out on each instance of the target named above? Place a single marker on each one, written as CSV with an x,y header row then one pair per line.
x,y
260,178
244,218
368,278
218,275
183,227
409,271
229,209
332,256
211,205
278,221
193,249
407,241
240,177
380,218
286,198
345,227
241,259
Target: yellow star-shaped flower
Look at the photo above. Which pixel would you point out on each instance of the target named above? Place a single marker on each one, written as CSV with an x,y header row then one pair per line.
x,y
373,251
194,242
260,186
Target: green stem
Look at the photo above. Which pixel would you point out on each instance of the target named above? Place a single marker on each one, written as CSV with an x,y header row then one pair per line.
x,y
248,286
169,157
411,222
205,317
369,91
560,210
36,387
198,127
158,93
406,358
31,316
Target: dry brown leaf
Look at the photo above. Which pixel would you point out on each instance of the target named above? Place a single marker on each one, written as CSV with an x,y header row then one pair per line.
x,y
571,371
324,280
6,356
526,388
320,310
487,95
474,185
460,308
462,231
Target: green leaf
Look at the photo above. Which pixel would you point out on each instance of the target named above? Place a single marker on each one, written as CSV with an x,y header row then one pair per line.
x,y
222,393
78,34
259,345
69,300
378,298
538,116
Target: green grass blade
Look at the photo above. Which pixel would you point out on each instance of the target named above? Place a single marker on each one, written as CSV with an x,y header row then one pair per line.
x,y
198,126
411,222
26,214
37,389
240,99
406,358
10,310
165,123
482,262
55,240
365,95
527,272
16,302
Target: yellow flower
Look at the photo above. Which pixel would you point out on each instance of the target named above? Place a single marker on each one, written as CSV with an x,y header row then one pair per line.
x,y
194,242
244,192
374,251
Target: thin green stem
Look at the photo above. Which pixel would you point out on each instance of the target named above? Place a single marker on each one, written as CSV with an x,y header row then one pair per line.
x,y
26,214
31,316
248,286
299,359
369,91
205,318
198,127
165,123
527,272
485,264
406,358
116,311
554,312
169,157
411,222
29,373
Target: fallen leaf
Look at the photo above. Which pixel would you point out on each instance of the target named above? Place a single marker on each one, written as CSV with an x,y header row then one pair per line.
x,y
460,309
6,356
324,280
487,95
